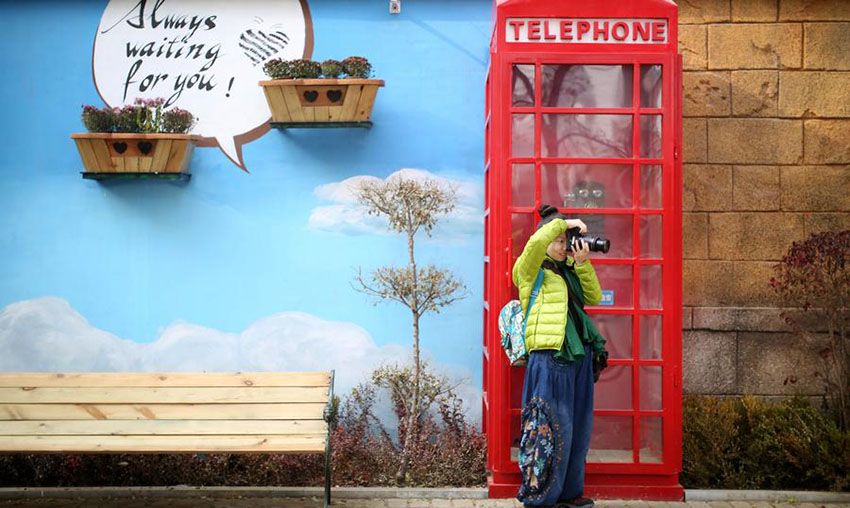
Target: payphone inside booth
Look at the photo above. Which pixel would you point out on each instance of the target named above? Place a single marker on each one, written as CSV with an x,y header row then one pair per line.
x,y
584,113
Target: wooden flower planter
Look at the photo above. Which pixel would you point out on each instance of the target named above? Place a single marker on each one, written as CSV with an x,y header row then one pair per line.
x,y
321,102
108,155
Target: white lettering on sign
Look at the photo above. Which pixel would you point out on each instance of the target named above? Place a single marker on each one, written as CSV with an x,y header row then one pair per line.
x,y
587,30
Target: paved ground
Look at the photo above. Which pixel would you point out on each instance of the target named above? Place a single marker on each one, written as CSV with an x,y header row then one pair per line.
x,y
267,502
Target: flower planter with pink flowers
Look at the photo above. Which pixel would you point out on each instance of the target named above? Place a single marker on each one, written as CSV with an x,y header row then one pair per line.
x,y
136,141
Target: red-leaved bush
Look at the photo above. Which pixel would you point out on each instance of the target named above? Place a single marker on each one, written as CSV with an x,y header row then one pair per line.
x,y
815,275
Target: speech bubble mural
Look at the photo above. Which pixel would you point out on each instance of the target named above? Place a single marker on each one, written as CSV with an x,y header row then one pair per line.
x,y
204,56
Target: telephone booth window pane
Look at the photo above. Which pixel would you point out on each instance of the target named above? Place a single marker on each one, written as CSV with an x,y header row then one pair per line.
x,y
522,185
650,286
615,228
614,388
650,236
650,186
617,330
522,136
650,86
523,85
617,281
587,86
650,337
522,225
650,388
650,136
586,185
611,439
608,136
651,440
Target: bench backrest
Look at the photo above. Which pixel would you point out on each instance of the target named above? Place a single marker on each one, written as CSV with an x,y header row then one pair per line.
x,y
270,412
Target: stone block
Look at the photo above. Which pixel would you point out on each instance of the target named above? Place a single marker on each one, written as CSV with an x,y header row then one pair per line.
x,y
755,46
754,10
827,46
755,93
706,187
779,363
814,10
687,318
695,235
755,188
814,94
708,362
706,94
755,141
739,319
723,283
694,140
703,11
763,236
827,141
693,45
820,222
816,188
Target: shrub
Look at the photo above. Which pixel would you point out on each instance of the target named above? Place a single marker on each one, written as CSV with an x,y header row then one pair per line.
x,y
278,69
143,116
332,69
305,69
98,119
357,67
748,443
178,121
815,275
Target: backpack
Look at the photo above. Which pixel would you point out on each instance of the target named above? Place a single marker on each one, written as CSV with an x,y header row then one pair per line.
x,y
512,323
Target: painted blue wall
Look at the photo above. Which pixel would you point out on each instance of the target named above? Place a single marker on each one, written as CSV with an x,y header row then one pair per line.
x,y
227,248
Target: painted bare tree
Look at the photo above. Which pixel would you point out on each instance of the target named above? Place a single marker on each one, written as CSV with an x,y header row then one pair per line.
x,y
410,206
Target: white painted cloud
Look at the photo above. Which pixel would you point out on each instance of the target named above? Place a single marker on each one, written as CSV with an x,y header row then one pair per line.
x,y
344,215
48,335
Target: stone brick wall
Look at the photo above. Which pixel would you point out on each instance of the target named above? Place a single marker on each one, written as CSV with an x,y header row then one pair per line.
x,y
766,148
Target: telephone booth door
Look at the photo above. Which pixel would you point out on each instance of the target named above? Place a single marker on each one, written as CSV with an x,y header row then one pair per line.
x,y
584,113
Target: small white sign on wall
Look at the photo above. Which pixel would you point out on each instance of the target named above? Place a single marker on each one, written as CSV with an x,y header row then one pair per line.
x,y
203,56
586,30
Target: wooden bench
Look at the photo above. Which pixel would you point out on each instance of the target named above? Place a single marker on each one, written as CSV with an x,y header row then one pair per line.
x,y
260,412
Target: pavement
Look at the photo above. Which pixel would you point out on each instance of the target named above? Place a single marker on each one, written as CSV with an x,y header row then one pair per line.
x,y
315,502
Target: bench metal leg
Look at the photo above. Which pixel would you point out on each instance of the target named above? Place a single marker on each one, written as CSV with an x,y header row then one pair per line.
x,y
329,417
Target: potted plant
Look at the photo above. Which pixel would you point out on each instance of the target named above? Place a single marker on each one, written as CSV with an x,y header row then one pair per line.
x,y
304,93
139,139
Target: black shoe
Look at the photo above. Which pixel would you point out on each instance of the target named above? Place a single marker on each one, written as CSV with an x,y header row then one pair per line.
x,y
579,502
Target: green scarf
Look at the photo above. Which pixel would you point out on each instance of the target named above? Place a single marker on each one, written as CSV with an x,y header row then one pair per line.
x,y
580,328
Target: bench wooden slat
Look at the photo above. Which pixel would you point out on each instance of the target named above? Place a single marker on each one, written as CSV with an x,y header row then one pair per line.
x,y
154,379
163,395
164,444
311,411
161,427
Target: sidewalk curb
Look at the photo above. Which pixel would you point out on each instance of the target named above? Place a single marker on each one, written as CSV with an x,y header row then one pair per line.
x,y
284,492
774,496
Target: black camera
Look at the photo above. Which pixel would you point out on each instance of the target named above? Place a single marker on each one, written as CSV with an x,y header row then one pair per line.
x,y
596,243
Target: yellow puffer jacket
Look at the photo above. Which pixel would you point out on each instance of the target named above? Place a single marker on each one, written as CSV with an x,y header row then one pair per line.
x,y
547,321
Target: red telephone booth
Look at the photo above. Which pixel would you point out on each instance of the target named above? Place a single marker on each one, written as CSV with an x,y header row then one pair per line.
x,y
584,112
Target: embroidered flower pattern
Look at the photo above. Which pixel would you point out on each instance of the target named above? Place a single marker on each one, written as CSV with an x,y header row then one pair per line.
x,y
537,449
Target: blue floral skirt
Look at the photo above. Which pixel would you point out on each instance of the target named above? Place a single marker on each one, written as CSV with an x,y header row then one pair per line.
x,y
557,418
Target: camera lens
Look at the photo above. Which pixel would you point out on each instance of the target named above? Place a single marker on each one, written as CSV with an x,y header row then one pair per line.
x,y
598,244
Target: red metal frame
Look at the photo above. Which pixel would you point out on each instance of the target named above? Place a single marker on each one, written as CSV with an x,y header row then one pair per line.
x,y
655,481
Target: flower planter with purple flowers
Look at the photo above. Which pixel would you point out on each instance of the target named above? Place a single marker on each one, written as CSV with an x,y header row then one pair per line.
x,y
342,97
139,139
